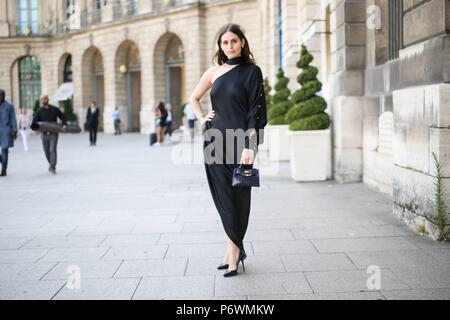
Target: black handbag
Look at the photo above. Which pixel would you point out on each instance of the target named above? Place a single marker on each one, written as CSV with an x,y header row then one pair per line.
x,y
243,177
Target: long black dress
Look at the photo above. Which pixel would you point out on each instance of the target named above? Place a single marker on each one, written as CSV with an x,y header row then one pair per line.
x,y
236,98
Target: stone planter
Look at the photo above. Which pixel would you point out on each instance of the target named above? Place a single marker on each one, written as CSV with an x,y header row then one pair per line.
x,y
309,152
278,142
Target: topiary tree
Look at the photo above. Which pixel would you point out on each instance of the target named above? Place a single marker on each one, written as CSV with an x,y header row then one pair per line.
x,y
280,100
267,89
181,110
308,112
68,111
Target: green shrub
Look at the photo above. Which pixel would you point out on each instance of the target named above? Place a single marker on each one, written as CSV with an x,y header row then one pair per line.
x,y
308,74
308,108
440,218
279,110
68,111
307,91
319,121
277,121
267,89
305,58
281,83
181,110
281,96
280,100
308,112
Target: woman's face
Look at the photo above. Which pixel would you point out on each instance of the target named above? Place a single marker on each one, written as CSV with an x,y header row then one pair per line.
x,y
231,45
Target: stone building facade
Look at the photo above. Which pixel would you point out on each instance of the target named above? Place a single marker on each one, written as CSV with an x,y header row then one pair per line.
x,y
125,54
385,68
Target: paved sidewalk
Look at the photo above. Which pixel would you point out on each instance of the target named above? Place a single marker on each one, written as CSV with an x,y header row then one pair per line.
x,y
137,226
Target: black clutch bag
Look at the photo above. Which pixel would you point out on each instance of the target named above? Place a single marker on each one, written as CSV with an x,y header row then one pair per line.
x,y
245,177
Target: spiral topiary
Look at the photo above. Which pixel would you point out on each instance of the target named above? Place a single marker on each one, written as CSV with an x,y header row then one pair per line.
x,y
308,112
267,89
280,100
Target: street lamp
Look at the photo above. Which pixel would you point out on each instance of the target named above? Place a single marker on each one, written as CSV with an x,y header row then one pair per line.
x,y
123,69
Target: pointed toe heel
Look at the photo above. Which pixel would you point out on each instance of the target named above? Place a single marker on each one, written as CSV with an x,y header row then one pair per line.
x,y
230,273
222,266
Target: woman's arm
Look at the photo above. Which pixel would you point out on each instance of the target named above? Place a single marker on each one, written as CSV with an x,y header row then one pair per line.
x,y
257,117
203,85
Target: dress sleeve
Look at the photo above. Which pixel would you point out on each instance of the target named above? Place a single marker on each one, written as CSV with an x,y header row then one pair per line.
x,y
257,114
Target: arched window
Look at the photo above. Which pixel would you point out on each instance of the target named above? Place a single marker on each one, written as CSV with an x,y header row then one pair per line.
x,y
28,16
29,81
67,76
174,51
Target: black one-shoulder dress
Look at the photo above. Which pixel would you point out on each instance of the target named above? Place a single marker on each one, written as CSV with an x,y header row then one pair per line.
x,y
237,98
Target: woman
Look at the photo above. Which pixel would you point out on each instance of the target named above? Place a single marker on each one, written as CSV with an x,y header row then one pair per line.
x,y
169,120
92,122
237,97
161,122
24,123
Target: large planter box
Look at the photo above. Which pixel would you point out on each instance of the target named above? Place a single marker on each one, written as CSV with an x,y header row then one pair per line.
x,y
309,152
278,142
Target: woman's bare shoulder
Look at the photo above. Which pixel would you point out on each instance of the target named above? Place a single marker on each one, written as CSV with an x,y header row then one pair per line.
x,y
208,75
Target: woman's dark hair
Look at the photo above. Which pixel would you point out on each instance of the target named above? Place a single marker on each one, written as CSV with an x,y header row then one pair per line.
x,y
161,107
220,56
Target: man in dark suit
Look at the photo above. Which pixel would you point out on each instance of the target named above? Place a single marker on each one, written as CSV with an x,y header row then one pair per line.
x,y
8,130
92,122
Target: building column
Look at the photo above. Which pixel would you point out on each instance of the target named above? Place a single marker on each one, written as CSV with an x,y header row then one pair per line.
x,y
147,116
269,37
78,86
197,59
346,86
110,73
4,25
290,38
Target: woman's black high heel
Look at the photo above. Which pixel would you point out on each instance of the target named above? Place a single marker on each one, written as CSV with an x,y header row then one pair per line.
x,y
224,266
234,272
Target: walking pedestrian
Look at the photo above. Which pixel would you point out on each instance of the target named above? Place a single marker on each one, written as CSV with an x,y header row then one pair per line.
x,y
8,130
92,117
49,113
169,121
24,123
116,119
191,118
161,122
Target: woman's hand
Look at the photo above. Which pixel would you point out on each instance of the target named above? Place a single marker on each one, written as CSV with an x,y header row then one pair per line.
x,y
247,156
208,117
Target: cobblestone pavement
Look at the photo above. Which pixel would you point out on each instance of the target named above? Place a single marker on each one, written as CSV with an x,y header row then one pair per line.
x,y
135,224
